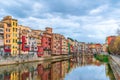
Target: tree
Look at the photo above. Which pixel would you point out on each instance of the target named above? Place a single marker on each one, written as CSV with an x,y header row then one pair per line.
x,y
114,46
118,31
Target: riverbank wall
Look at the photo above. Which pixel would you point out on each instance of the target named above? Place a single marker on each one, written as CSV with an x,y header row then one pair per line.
x,y
115,65
20,60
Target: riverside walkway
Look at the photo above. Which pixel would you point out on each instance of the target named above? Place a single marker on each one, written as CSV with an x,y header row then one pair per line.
x,y
115,65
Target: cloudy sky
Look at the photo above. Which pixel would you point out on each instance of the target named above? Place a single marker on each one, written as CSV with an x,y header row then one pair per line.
x,y
84,20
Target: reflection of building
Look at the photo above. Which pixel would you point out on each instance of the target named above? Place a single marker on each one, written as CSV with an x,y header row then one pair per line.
x,y
55,71
10,35
14,75
109,72
25,75
6,75
64,68
43,71
85,60
37,71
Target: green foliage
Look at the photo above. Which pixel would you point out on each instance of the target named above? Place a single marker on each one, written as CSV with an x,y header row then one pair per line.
x,y
71,39
110,72
102,58
108,50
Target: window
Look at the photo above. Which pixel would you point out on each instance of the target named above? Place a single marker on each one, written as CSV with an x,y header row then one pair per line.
x,y
13,40
16,29
7,41
7,30
13,29
14,24
7,35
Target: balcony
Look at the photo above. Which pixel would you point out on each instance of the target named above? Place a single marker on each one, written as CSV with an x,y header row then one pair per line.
x,y
9,25
7,48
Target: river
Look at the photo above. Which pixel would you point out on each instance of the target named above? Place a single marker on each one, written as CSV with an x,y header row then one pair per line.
x,y
78,68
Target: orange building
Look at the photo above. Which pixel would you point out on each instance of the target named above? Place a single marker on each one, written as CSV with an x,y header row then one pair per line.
x,y
64,45
110,39
56,44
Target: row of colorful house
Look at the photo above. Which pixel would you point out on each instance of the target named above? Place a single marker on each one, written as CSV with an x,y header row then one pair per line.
x,y
17,39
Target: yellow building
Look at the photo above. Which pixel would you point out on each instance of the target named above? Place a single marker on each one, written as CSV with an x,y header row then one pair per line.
x,y
10,35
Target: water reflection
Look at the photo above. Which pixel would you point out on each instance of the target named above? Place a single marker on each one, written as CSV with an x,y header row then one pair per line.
x,y
79,68
88,68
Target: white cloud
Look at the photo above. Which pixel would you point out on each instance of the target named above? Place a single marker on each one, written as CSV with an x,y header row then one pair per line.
x,y
66,19
99,9
37,7
92,27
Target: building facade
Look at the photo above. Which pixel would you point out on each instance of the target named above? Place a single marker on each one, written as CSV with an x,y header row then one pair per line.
x,y
37,42
56,44
64,45
47,41
2,38
23,41
10,35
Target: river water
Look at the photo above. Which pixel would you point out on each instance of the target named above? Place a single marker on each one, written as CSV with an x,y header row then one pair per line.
x,y
78,68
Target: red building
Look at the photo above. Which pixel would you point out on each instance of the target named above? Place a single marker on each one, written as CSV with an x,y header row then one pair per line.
x,y
46,41
40,51
25,47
